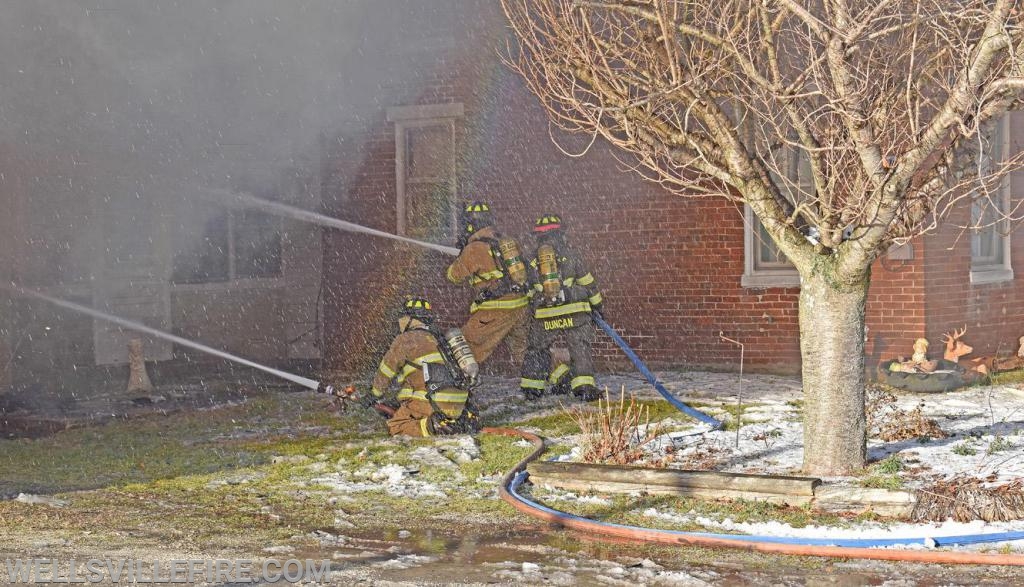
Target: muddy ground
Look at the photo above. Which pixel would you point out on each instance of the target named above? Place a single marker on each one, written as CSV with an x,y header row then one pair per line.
x,y
259,471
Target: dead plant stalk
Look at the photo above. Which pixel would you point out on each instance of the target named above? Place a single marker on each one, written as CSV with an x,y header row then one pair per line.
x,y
615,433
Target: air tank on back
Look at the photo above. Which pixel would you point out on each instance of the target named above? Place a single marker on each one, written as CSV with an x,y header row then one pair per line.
x,y
547,264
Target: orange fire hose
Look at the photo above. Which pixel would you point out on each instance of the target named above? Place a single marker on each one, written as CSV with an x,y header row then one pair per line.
x,y
636,534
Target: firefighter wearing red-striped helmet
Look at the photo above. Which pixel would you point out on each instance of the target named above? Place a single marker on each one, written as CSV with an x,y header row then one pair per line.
x,y
564,294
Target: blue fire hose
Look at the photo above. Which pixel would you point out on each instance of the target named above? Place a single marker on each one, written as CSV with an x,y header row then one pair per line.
x,y
653,380
928,541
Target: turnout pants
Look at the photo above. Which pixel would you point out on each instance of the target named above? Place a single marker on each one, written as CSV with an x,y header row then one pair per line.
x,y
579,338
486,328
413,415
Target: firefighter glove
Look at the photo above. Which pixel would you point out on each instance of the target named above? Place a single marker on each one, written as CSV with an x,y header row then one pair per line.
x,y
440,424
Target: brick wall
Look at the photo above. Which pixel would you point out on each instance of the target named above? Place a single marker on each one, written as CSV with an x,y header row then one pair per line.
x,y
992,312
669,266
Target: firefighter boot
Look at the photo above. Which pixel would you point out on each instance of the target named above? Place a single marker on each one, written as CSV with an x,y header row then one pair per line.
x,y
469,422
560,387
587,393
531,394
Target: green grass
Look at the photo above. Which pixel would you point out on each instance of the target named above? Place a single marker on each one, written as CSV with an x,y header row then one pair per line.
x,y
139,477
889,466
999,444
559,423
625,509
964,449
884,474
892,482
1008,377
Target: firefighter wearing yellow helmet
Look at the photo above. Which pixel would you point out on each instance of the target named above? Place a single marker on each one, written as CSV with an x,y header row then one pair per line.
x,y
492,265
434,385
564,295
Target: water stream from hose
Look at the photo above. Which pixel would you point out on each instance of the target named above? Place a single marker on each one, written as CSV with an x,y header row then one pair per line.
x,y
139,327
245,200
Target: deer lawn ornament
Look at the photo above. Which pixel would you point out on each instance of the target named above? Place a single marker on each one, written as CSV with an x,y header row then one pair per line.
x,y
957,348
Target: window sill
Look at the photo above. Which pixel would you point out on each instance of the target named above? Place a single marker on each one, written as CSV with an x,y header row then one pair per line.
x,y
230,284
764,280
994,275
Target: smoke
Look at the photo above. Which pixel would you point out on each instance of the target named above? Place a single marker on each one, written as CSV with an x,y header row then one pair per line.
x,y
118,101
119,115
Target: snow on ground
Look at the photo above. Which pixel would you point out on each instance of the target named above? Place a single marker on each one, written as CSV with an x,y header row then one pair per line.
x,y
396,480
985,427
567,571
985,424
866,529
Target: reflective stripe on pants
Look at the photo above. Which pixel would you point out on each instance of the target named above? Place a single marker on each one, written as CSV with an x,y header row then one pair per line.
x,y
579,339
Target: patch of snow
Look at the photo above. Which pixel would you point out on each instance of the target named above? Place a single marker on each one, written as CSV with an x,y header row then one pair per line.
x,y
558,495
394,479
862,530
428,455
405,561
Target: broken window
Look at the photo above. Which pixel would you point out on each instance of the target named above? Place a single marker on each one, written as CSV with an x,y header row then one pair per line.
x,y
218,245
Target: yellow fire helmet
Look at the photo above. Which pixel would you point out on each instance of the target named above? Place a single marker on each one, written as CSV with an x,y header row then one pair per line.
x,y
547,223
418,308
476,215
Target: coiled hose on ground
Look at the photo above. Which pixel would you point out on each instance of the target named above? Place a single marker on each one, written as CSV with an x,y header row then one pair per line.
x,y
849,549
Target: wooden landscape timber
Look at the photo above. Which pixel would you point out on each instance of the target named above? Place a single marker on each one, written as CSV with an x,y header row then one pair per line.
x,y
794,491
778,485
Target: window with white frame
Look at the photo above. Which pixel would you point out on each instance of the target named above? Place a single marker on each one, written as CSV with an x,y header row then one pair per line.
x,y
764,263
425,139
217,245
990,237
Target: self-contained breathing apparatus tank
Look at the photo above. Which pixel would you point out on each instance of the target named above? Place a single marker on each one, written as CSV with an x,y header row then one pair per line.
x,y
547,265
460,367
512,260
462,354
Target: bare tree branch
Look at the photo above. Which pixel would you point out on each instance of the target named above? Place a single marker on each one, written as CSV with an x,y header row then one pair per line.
x,y
847,116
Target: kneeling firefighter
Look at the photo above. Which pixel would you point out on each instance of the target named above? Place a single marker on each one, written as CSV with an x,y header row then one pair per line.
x,y
492,264
436,372
564,295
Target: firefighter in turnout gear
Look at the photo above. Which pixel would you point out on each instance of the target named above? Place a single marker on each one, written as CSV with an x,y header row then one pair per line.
x,y
564,295
434,395
494,267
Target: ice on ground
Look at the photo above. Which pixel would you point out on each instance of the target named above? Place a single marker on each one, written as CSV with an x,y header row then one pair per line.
x,y
460,449
428,455
405,561
395,480
557,495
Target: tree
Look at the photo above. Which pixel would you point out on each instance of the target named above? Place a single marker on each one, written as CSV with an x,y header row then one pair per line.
x,y
883,103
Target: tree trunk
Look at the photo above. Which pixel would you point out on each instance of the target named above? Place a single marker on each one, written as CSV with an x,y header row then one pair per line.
x,y
832,350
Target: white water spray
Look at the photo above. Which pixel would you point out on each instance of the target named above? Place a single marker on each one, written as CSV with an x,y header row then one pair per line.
x,y
137,326
279,209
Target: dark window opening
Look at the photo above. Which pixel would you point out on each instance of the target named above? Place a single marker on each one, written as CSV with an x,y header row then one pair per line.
x,y
227,245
